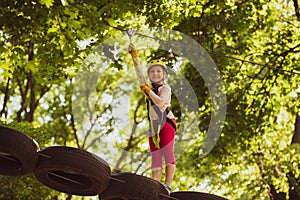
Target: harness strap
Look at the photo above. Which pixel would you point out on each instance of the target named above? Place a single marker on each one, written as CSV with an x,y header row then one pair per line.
x,y
162,117
171,123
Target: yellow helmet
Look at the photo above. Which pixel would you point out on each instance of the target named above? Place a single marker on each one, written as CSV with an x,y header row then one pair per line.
x,y
155,63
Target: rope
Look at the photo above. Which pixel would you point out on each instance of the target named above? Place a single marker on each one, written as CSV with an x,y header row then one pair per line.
x,y
155,135
130,32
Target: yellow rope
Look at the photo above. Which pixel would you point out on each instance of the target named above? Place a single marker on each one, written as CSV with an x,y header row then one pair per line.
x,y
155,136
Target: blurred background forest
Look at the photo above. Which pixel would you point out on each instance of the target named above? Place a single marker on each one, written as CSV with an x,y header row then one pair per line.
x,y
254,43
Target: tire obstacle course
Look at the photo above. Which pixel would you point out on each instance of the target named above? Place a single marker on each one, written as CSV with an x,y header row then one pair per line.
x,y
79,172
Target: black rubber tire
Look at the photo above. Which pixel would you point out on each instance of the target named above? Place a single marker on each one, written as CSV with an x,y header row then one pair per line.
x,y
128,186
72,171
188,195
18,153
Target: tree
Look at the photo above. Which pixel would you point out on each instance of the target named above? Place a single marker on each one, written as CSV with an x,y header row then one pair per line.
x,y
253,69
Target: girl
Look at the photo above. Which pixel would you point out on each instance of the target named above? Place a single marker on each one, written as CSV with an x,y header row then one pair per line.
x,y
162,121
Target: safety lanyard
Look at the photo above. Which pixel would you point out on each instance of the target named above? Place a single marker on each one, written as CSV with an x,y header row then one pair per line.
x,y
155,132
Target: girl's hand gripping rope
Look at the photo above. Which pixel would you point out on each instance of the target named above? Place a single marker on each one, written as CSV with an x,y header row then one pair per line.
x,y
134,54
136,62
132,50
145,88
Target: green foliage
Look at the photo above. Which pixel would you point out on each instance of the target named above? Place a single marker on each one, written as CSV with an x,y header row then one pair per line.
x,y
25,187
250,50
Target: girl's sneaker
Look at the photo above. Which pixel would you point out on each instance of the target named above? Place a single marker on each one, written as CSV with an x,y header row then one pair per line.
x,y
168,188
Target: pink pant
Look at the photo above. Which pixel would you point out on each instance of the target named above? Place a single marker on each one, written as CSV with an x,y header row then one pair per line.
x,y
167,136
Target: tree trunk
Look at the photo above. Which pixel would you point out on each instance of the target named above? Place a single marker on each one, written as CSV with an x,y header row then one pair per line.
x,y
29,114
296,136
130,144
293,181
6,97
276,196
297,10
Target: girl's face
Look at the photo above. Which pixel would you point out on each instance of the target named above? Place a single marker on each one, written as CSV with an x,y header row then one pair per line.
x,y
156,74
